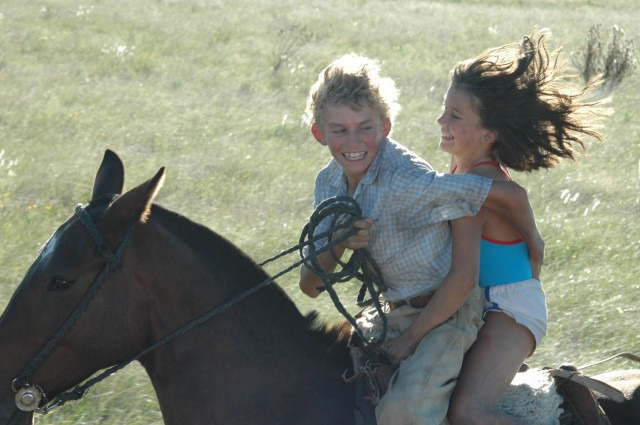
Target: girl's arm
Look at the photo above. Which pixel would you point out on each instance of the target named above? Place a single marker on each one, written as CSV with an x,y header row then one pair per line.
x,y
510,201
459,283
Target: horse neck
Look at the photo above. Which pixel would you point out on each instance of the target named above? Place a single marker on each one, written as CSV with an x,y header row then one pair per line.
x,y
187,270
243,353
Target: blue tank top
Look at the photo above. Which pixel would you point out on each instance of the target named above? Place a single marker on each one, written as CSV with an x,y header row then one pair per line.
x,y
503,262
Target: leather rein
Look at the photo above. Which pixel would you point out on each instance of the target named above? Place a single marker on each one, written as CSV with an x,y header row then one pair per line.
x,y
31,397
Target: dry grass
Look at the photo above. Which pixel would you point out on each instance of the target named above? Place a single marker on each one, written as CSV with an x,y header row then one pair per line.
x,y
191,85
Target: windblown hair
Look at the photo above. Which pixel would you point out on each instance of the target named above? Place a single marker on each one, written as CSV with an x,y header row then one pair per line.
x,y
538,117
354,81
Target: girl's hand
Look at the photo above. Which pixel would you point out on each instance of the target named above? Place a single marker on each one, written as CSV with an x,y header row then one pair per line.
x,y
399,348
536,256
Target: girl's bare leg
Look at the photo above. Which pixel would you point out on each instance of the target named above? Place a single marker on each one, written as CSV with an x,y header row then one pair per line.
x,y
488,369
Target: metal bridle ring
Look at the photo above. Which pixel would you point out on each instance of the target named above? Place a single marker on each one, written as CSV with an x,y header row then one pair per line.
x,y
29,398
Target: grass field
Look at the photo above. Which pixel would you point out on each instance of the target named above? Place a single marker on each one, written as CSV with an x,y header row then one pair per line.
x,y
214,90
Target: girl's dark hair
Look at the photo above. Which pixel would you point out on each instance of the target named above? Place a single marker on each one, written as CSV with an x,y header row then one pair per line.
x,y
537,118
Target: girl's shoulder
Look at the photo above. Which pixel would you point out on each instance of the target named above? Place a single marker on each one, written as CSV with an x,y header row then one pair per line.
x,y
490,169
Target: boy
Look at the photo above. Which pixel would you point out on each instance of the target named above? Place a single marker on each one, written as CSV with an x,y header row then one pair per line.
x,y
433,298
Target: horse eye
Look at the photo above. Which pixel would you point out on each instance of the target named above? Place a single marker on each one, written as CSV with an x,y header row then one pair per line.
x,y
59,284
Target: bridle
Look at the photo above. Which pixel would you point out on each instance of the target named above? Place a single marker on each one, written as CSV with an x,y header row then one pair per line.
x,y
32,398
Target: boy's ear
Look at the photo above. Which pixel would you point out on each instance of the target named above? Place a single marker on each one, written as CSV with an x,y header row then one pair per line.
x,y
386,128
318,134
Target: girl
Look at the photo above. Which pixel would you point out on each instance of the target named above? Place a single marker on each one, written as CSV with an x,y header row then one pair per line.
x,y
507,108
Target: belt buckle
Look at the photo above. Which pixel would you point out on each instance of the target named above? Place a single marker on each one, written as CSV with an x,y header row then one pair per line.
x,y
395,304
420,301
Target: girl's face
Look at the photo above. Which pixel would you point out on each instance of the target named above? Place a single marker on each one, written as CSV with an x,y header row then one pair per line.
x,y
353,137
461,130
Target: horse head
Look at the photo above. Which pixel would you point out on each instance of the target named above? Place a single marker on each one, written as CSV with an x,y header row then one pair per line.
x,y
124,280
43,342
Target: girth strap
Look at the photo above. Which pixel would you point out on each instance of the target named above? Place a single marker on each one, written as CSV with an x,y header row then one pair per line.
x,y
576,391
593,384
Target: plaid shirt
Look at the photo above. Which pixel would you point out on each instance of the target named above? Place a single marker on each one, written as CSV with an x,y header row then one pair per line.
x,y
410,204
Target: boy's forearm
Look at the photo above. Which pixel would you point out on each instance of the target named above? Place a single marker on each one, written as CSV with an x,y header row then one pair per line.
x,y
309,281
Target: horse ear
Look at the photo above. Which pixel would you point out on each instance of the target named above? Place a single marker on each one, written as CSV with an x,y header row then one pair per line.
x,y
110,176
134,205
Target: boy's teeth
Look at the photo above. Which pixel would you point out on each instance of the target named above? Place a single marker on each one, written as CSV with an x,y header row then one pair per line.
x,y
354,156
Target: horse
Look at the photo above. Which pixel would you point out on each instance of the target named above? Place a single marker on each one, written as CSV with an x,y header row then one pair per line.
x,y
125,279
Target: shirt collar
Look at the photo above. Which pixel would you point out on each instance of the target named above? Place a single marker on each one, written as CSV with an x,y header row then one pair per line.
x,y
338,181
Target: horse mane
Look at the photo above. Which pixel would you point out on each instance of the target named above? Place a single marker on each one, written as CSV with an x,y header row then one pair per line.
x,y
204,240
333,337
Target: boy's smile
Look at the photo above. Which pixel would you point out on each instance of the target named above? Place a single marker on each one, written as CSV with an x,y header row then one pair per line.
x,y
353,137
354,156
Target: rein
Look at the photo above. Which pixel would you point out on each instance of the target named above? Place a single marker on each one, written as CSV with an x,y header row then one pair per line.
x,y
342,209
345,211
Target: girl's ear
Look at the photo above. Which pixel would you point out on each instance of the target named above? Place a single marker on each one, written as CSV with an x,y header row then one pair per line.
x,y
490,136
318,134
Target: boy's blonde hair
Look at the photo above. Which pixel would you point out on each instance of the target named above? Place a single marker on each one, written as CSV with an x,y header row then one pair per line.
x,y
355,81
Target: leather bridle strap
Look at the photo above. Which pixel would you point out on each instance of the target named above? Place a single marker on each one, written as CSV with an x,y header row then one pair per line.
x,y
113,262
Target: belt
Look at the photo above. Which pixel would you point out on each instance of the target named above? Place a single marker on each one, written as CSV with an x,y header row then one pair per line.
x,y
419,301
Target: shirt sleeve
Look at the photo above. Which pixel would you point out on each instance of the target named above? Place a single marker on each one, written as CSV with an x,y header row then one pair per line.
x,y
434,197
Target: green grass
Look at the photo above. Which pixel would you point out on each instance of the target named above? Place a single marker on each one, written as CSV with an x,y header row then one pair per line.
x,y
190,85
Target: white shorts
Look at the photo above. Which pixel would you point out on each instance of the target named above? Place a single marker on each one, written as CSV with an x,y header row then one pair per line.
x,y
524,301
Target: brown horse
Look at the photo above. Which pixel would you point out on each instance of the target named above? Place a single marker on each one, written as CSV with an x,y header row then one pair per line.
x,y
122,274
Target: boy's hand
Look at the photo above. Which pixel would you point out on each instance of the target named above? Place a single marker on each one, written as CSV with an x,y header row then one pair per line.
x,y
309,281
361,238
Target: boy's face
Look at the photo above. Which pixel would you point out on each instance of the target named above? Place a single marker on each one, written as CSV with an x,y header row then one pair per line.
x,y
353,137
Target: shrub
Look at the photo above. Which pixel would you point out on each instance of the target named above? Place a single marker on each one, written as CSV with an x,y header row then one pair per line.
x,y
289,41
613,62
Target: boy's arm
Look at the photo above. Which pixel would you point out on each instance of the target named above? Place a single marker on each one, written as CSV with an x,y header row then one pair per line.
x,y
310,282
510,200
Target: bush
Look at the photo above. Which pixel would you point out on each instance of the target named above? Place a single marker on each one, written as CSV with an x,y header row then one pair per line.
x,y
613,62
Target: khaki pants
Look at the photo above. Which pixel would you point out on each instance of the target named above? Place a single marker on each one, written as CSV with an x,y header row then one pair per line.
x,y
420,390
